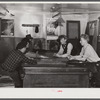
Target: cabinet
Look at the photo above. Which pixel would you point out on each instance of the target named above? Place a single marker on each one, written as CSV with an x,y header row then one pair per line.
x,y
55,72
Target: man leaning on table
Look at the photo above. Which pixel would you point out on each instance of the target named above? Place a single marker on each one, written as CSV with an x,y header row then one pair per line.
x,y
87,52
12,65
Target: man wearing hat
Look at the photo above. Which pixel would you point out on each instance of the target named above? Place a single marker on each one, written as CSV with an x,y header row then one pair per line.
x,y
29,52
29,37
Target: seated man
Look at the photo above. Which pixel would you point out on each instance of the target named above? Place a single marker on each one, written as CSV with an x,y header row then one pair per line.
x,y
87,52
13,62
65,47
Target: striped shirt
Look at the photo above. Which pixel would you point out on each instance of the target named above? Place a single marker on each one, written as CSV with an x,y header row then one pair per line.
x,y
14,60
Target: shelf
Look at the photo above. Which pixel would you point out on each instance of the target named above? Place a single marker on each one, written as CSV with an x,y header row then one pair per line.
x,y
52,37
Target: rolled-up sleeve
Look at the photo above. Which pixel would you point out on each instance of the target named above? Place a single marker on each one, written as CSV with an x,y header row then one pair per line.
x,y
87,53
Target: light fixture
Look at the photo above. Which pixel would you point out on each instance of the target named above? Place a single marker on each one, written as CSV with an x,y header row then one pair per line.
x,y
55,8
60,20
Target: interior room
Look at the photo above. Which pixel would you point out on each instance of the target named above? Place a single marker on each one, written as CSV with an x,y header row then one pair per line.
x,y
45,22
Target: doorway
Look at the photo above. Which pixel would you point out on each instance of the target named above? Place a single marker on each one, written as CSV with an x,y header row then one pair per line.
x,y
73,29
73,34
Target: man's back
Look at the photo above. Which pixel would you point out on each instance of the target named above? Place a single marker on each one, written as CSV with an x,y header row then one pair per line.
x,y
12,60
15,58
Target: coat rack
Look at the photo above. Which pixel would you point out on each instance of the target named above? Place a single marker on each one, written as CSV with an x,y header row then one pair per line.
x,y
32,25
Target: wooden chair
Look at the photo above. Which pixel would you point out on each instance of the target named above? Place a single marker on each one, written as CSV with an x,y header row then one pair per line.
x,y
6,82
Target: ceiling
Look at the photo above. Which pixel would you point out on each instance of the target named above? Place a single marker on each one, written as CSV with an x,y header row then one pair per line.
x,y
65,7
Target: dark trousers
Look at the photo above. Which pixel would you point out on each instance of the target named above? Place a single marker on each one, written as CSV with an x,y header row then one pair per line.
x,y
14,75
95,79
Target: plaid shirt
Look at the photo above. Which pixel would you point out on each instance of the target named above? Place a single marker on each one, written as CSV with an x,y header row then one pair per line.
x,y
13,61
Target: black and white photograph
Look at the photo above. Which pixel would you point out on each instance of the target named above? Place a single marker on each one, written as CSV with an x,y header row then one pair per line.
x,y
49,45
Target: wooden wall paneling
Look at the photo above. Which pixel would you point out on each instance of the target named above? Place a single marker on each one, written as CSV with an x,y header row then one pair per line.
x,y
6,45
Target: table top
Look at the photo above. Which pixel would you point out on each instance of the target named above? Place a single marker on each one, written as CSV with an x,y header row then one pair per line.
x,y
61,65
49,62
53,66
55,63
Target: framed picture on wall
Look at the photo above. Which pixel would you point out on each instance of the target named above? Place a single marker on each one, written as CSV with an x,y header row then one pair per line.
x,y
7,27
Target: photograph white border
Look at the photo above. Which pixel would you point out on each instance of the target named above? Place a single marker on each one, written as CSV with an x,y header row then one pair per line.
x,y
73,93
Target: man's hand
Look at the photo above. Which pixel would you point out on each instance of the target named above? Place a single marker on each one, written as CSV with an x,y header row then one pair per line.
x,y
30,58
71,57
54,54
57,55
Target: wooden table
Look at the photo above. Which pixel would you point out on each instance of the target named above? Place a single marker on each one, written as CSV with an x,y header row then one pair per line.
x,y
54,72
